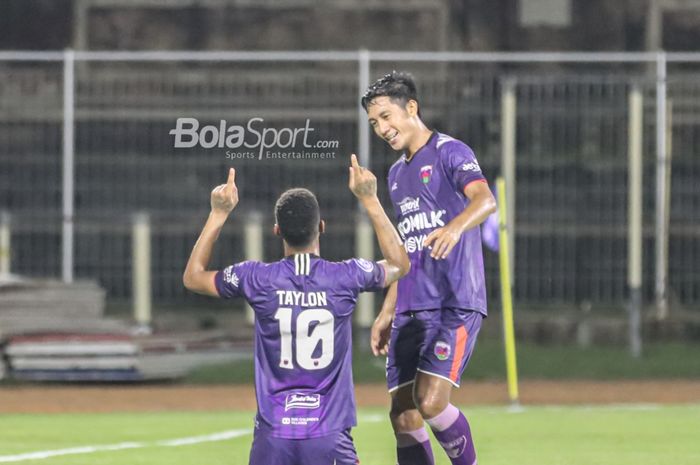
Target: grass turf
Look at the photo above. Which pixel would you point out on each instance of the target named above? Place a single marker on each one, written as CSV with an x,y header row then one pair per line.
x,y
623,435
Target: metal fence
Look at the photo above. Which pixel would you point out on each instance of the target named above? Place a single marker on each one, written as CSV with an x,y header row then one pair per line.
x,y
85,145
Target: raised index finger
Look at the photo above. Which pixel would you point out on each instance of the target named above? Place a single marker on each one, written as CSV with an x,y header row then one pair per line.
x,y
231,177
353,161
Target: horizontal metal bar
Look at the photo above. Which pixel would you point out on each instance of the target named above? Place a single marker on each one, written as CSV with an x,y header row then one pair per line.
x,y
232,56
349,56
517,57
19,55
686,57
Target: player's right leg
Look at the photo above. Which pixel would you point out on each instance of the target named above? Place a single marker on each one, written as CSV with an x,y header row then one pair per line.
x,y
412,439
408,335
268,450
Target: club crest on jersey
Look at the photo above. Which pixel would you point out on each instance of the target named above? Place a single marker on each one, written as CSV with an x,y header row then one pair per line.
x,y
442,350
425,173
307,401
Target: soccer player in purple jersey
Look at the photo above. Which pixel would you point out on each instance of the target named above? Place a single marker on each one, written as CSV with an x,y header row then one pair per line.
x,y
303,309
429,322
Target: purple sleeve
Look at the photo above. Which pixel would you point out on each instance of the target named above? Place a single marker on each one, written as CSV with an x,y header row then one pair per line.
x,y
463,167
391,184
365,275
233,281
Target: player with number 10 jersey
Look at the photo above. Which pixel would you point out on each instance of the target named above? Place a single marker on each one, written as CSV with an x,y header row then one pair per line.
x,y
303,320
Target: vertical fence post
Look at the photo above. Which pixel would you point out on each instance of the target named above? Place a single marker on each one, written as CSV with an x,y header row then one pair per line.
x,y
68,165
363,78
662,190
364,236
141,271
253,244
634,215
364,248
5,243
508,138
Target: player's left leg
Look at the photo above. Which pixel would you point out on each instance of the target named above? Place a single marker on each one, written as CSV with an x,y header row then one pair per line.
x,y
410,332
335,449
447,422
439,370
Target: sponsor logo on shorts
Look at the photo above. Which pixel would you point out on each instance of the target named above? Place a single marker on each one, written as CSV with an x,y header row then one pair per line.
x,y
306,401
442,350
455,448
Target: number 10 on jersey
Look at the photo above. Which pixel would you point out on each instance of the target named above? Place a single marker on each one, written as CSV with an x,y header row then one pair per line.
x,y
306,341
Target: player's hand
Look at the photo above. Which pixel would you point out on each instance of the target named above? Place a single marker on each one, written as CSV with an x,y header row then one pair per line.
x,y
362,182
379,336
224,197
443,240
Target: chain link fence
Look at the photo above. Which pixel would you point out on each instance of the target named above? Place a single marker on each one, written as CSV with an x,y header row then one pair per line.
x,y
571,163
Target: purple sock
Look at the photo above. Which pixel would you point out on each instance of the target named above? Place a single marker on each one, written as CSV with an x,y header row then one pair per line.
x,y
413,448
452,431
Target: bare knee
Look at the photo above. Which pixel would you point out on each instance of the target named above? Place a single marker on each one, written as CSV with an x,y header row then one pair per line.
x,y
431,395
431,404
403,414
405,420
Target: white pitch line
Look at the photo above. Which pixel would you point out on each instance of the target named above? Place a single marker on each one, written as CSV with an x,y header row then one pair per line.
x,y
45,454
222,436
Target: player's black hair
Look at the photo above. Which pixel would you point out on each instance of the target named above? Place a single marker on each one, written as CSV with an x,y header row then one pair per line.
x,y
298,216
399,86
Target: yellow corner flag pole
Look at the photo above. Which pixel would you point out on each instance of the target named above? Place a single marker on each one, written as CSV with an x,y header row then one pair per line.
x,y
506,296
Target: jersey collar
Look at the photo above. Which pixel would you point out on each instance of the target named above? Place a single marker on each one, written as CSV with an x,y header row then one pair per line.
x,y
433,135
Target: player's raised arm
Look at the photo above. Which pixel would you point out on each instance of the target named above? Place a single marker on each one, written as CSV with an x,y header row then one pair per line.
x,y
224,199
364,185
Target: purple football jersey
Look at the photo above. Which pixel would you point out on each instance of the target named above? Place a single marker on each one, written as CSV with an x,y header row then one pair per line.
x,y
303,342
427,192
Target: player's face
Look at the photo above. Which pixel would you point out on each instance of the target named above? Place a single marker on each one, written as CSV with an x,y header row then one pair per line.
x,y
390,121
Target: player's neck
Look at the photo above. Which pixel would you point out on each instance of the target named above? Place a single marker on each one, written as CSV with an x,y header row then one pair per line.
x,y
312,249
422,138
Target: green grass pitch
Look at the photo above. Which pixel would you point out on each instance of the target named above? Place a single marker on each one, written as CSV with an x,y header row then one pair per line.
x,y
596,435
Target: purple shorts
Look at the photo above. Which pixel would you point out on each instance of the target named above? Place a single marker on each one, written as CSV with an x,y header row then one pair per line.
x,y
325,450
437,342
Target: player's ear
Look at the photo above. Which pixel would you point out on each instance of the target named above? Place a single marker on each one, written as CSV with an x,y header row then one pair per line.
x,y
276,230
322,227
412,108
